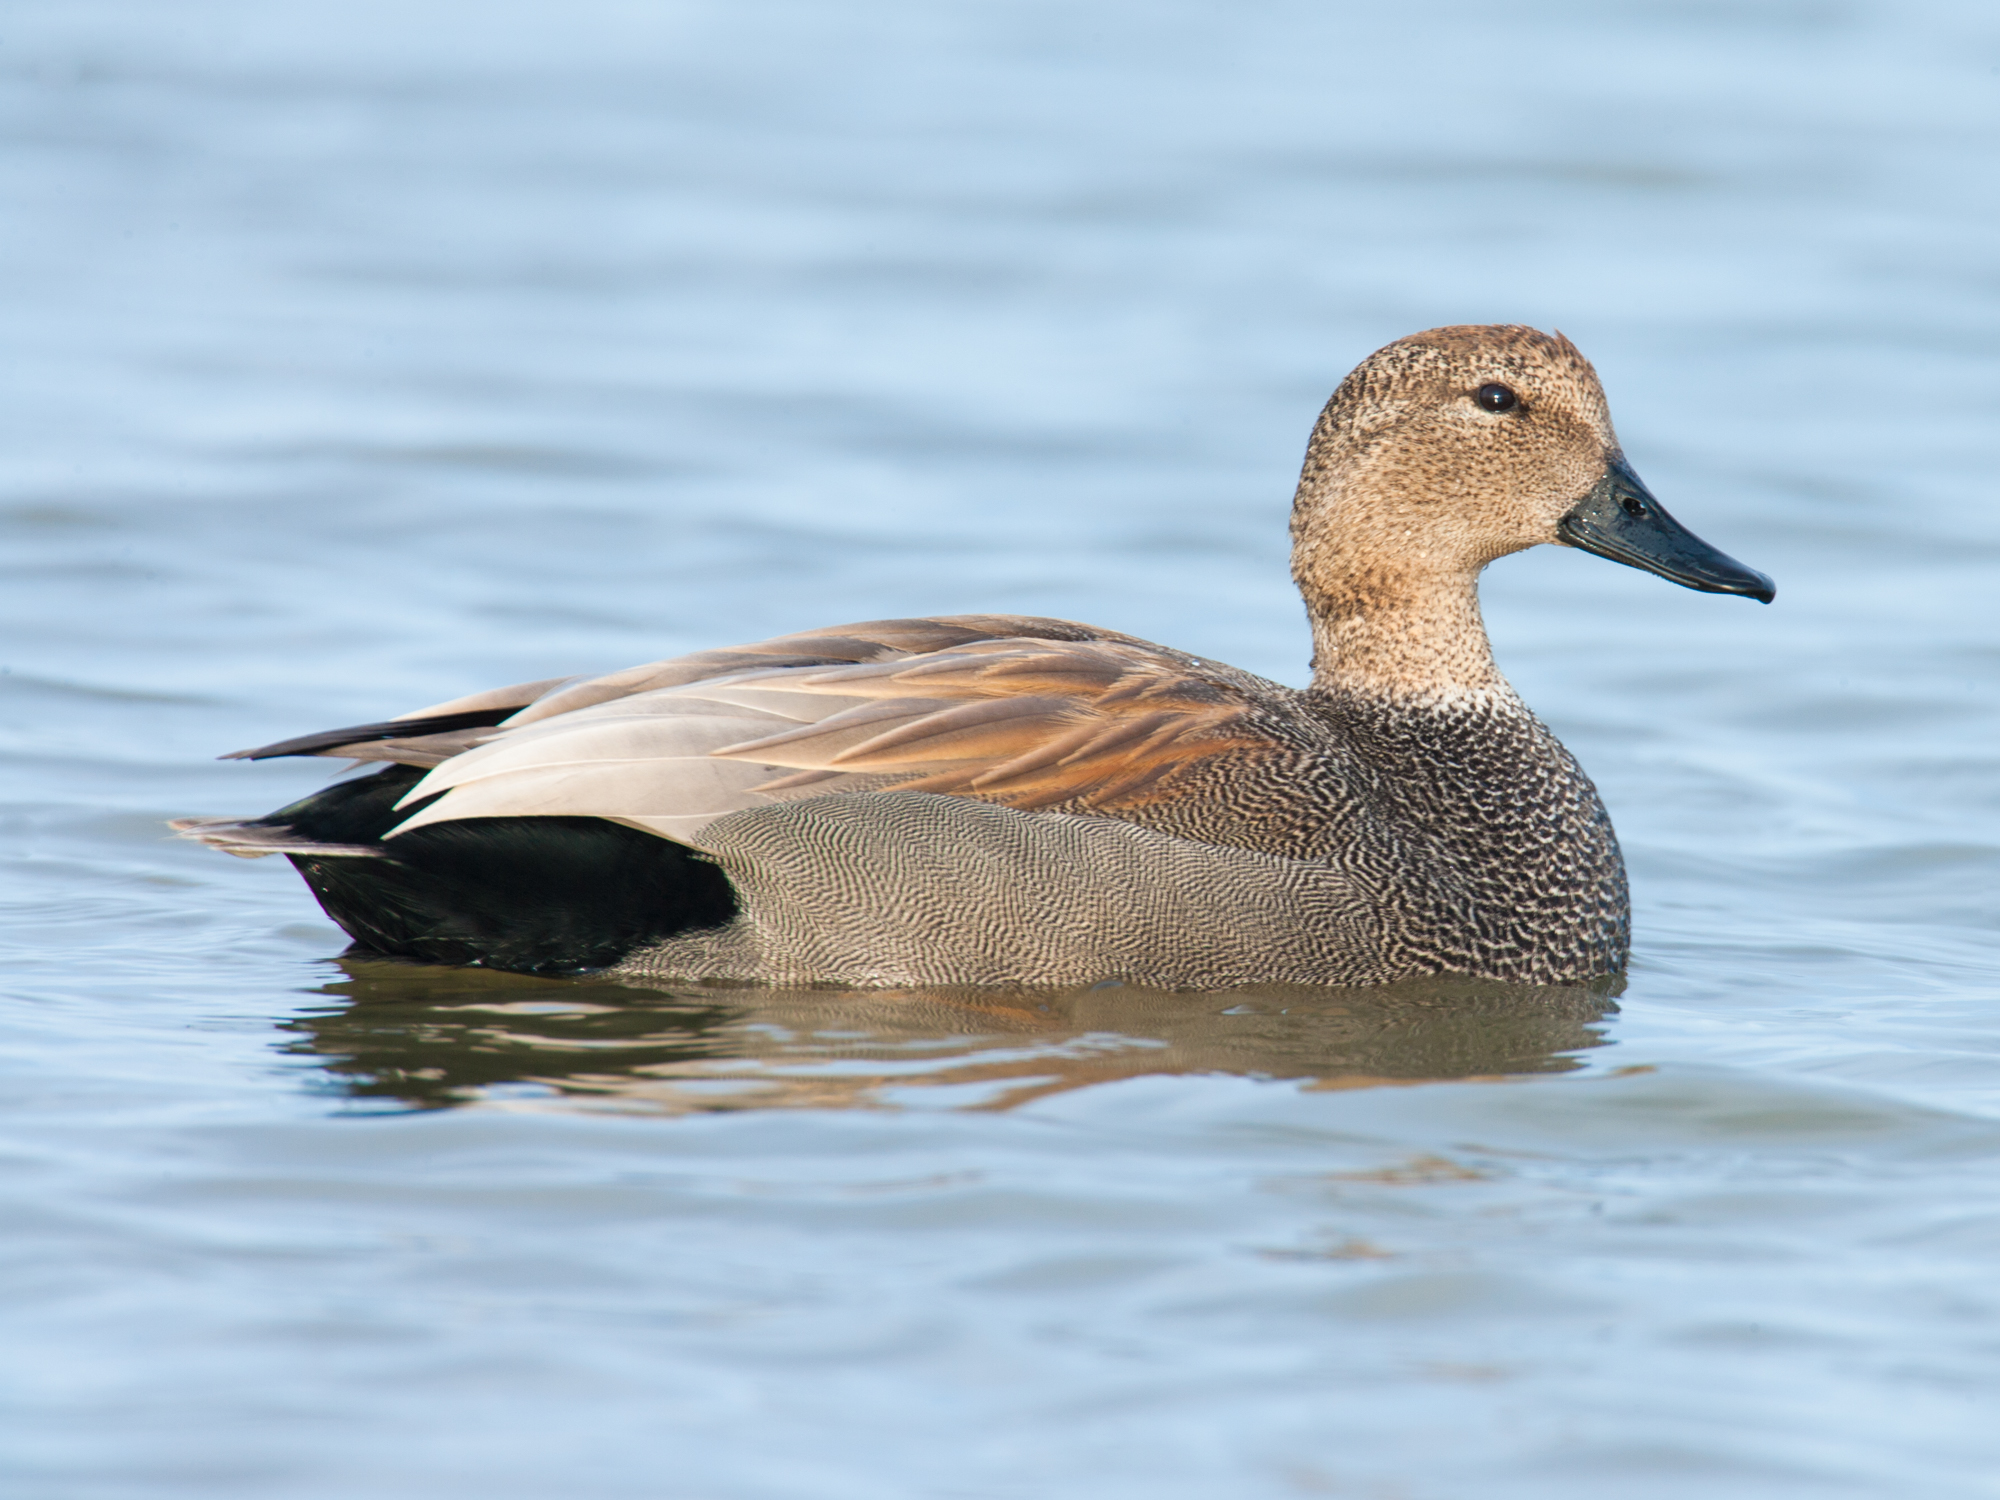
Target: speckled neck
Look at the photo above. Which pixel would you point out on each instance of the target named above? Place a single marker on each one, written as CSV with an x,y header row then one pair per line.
x,y
1401,639
1389,577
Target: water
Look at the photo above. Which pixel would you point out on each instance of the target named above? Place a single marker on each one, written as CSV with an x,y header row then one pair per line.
x,y
360,356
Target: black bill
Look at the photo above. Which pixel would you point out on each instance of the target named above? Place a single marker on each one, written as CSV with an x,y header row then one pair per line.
x,y
1621,520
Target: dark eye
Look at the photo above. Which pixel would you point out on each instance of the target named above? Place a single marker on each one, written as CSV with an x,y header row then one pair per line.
x,y
1496,398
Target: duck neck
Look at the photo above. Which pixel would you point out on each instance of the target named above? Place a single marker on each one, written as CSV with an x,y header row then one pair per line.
x,y
1406,636
1388,566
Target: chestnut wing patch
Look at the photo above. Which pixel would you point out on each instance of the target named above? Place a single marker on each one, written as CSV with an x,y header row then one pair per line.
x,y
1100,724
1028,713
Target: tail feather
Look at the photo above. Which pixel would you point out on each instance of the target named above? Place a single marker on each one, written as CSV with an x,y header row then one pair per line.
x,y
333,741
253,839
537,895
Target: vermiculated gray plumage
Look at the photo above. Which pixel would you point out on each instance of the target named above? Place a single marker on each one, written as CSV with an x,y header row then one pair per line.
x,y
1499,862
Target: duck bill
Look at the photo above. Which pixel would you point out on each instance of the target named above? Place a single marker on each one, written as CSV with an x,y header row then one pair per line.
x,y
1621,520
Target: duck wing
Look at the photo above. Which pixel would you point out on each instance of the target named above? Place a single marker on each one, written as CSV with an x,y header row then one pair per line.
x,y
428,736
421,738
1027,713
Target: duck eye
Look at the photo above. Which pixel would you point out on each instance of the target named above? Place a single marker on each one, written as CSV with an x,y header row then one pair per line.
x,y
1496,398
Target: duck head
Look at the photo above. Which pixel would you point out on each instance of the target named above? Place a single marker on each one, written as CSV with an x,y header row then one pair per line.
x,y
1447,450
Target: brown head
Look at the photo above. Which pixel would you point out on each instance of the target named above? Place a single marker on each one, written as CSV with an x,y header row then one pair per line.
x,y
1440,453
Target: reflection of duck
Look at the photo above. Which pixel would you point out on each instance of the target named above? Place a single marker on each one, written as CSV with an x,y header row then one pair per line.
x,y
1109,808
431,1037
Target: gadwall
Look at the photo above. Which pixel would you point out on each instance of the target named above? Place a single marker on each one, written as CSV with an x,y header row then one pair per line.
x,y
1002,800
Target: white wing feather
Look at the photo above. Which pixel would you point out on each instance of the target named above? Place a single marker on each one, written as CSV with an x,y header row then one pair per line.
x,y
646,760
1034,713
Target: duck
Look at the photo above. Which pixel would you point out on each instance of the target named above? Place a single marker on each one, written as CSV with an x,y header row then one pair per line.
x,y
1005,801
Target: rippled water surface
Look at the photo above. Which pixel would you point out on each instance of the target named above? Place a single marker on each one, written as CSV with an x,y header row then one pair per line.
x,y
363,355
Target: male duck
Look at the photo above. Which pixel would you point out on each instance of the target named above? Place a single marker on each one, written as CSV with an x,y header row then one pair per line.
x,y
1000,800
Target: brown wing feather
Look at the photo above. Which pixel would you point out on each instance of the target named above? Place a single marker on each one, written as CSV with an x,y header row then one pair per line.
x,y
1031,713
869,642
1029,722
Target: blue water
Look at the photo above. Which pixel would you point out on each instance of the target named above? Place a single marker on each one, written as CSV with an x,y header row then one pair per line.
x,y
361,356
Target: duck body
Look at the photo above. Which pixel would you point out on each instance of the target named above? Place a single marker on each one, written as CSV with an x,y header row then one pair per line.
x,y
1326,863
1004,800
